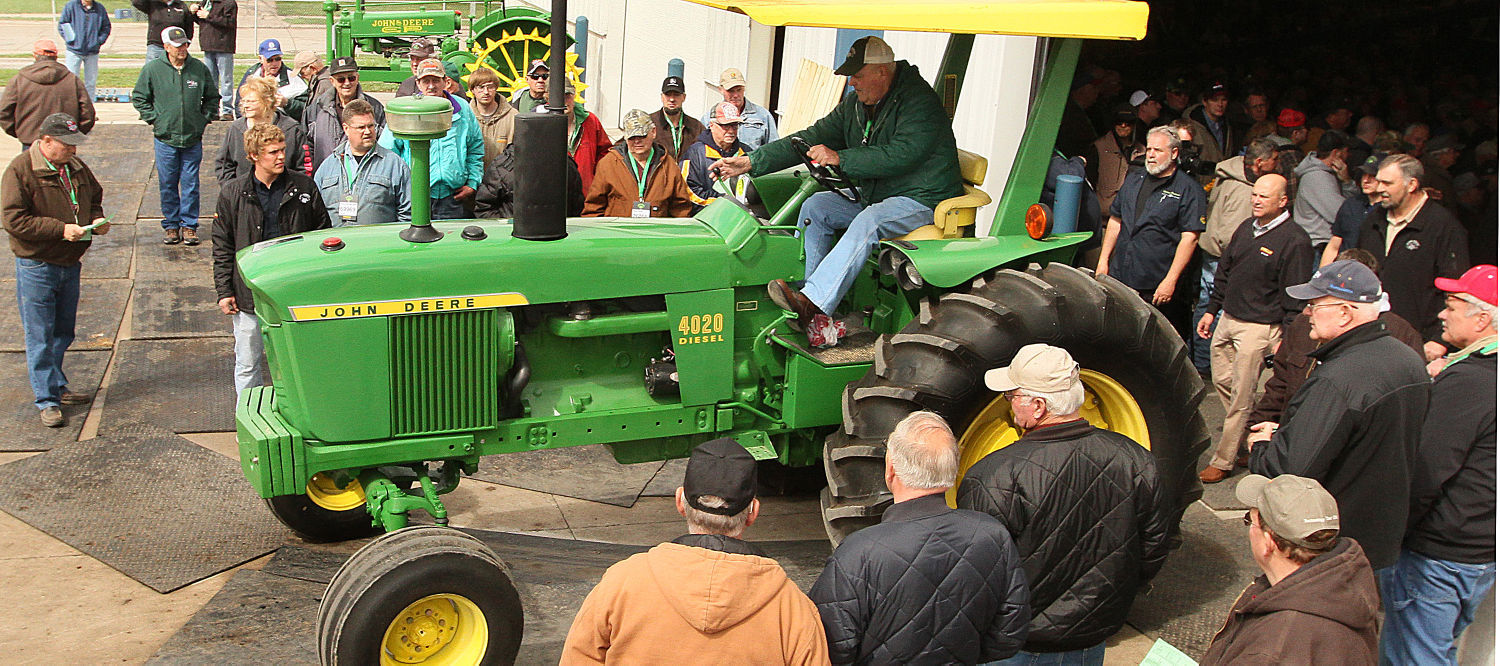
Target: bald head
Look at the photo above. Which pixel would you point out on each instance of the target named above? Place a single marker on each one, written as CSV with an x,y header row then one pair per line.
x,y
44,48
1268,197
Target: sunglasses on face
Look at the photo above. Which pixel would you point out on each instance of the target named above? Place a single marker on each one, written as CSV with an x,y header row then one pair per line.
x,y
345,78
538,77
274,59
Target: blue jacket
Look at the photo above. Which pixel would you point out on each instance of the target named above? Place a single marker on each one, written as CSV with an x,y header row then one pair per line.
x,y
457,159
758,129
83,30
383,187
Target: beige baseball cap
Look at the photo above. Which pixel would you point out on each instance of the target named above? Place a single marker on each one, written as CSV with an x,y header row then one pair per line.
x,y
1036,367
730,78
1291,506
636,123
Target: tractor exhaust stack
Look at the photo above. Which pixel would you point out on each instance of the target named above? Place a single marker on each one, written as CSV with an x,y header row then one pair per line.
x,y
541,212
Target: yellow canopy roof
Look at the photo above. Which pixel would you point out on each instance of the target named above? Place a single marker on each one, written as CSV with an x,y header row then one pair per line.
x,y
1088,19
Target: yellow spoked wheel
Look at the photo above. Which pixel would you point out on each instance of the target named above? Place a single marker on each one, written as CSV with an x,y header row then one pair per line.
x,y
1106,404
436,630
509,56
427,595
323,492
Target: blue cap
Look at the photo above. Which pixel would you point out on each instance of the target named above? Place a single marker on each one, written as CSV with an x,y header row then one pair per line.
x,y
270,47
1346,280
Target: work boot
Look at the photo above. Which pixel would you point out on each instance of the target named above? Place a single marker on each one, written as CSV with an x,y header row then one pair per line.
x,y
71,398
171,236
1242,460
791,300
189,236
52,417
1212,474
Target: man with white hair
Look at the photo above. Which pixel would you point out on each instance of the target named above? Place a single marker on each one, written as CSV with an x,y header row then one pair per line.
x,y
707,595
1354,425
1153,231
1085,506
1447,562
929,584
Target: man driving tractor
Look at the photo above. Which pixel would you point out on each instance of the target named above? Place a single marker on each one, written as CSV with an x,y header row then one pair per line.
x,y
893,136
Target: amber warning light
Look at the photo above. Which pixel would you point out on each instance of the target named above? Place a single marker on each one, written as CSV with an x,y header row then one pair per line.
x,y
1038,221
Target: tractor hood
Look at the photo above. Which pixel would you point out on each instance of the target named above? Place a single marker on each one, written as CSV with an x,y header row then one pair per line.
x,y
370,271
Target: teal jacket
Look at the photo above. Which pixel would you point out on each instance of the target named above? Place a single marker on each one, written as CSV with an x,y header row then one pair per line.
x,y
176,104
911,151
456,160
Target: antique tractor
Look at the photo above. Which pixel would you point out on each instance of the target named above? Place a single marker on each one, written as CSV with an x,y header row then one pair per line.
x,y
398,359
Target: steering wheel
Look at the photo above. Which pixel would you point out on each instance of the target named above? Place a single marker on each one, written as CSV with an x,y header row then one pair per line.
x,y
827,175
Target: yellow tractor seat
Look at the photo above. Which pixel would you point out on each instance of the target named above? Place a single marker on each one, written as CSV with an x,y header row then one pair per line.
x,y
952,215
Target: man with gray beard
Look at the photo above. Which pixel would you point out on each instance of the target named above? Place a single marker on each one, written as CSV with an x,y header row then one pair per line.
x,y
1153,230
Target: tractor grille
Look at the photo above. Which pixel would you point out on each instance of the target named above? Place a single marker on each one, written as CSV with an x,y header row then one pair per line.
x,y
445,373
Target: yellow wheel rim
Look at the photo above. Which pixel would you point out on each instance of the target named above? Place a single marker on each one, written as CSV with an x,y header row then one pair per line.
x,y
325,493
1106,404
437,630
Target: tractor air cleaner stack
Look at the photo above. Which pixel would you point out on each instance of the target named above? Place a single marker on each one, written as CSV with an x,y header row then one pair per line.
x,y
541,144
419,120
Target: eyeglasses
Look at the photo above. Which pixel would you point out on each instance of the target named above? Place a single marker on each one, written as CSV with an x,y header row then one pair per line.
x,y
485,86
1313,307
1012,395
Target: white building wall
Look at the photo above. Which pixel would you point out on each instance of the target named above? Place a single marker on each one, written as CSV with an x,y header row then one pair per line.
x,y
632,40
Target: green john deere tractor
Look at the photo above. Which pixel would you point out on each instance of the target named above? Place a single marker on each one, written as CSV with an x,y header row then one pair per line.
x,y
399,359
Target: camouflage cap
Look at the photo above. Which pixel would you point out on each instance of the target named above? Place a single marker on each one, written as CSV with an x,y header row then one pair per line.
x,y
636,123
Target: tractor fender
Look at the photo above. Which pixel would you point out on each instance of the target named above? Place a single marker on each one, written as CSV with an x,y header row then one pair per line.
x,y
948,263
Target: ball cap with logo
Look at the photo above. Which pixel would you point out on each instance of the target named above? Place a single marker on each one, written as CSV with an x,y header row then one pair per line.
x,y
673,84
270,48
175,36
1347,280
537,66
1036,367
866,51
725,113
731,78
637,123
62,127
1290,506
720,468
431,67
1478,281
343,65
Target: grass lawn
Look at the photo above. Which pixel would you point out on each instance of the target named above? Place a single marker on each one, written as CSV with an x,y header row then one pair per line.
x,y
115,77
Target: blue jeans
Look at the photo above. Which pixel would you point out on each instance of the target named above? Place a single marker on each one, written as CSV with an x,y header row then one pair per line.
x,y
85,67
1199,345
176,166
48,297
249,352
154,51
447,208
832,267
1093,656
1428,604
221,64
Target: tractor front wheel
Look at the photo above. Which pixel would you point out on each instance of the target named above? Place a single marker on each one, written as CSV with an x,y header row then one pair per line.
x,y
1137,376
325,512
421,595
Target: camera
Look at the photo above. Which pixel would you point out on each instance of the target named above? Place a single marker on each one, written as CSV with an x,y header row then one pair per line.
x,y
1188,160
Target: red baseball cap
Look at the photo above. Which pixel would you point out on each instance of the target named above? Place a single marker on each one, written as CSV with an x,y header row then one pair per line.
x,y
1291,118
1478,282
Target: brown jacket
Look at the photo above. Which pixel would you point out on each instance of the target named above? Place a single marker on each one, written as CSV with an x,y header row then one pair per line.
x,y
1292,365
1323,613
35,207
47,87
685,604
1112,165
496,128
691,128
614,190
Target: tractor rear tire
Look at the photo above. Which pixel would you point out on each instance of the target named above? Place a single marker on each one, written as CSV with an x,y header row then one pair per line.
x,y
424,594
318,524
937,363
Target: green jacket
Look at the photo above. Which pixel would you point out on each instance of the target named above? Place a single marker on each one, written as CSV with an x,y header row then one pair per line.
x,y
176,104
911,151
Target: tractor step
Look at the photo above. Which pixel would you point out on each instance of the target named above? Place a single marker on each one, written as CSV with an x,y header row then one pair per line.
x,y
857,347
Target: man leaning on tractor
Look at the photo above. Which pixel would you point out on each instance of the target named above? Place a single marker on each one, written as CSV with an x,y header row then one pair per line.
x,y
893,136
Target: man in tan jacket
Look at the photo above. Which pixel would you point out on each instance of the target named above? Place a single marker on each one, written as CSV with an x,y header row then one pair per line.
x,y
706,597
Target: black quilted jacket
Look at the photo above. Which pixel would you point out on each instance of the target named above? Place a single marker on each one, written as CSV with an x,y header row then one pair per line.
x,y
928,585
1084,506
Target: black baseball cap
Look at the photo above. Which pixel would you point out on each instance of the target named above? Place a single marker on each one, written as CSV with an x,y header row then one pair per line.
x,y
62,127
343,65
721,468
1347,280
1371,165
673,84
870,50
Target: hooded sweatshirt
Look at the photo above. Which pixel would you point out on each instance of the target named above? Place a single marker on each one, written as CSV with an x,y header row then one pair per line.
x,y
1318,198
687,604
39,90
1228,204
1324,612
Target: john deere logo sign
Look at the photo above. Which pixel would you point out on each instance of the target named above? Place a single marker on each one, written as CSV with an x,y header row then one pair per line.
x,y
410,306
404,25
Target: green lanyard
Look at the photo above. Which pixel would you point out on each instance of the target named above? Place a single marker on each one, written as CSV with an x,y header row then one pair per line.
x,y
359,169
676,133
868,124
67,183
640,175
